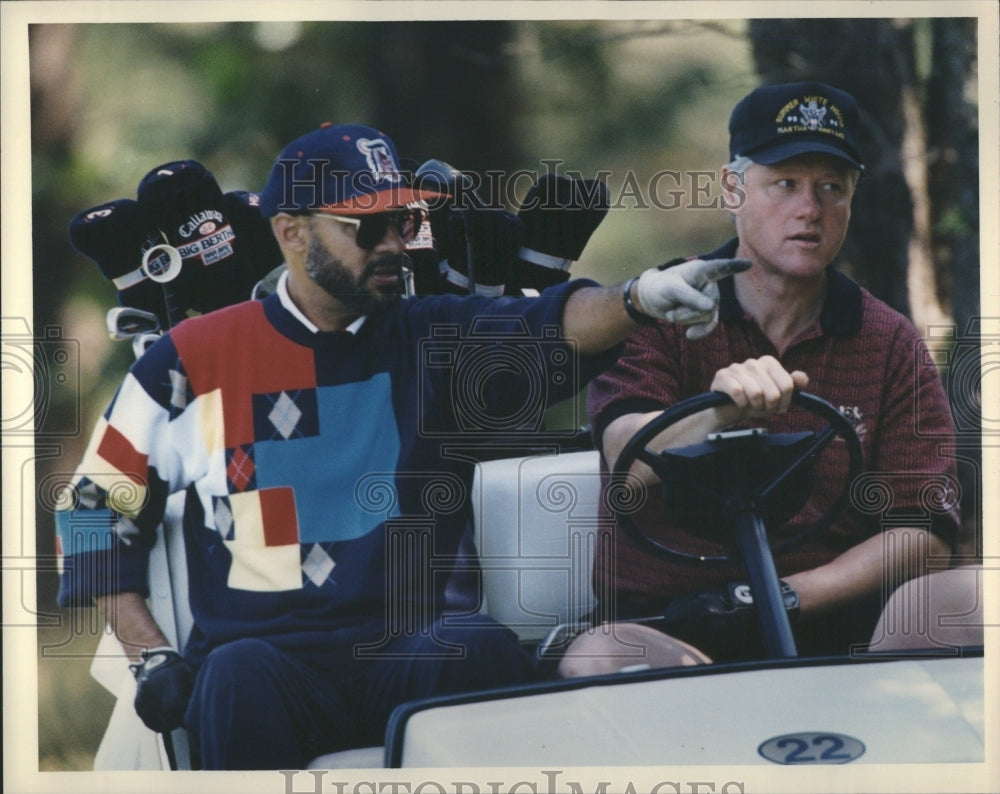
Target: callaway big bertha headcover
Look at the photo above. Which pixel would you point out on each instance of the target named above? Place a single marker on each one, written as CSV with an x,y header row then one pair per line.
x,y
225,245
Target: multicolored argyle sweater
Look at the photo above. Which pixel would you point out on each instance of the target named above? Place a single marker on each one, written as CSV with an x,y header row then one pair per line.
x,y
327,475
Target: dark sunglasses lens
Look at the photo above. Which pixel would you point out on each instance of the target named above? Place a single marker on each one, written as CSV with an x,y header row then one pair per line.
x,y
374,227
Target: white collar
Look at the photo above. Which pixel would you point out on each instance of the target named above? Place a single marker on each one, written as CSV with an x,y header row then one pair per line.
x,y
289,304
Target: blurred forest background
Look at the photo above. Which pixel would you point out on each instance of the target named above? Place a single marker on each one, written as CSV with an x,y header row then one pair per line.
x,y
626,99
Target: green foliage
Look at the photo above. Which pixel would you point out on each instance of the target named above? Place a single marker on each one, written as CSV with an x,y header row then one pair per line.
x,y
73,708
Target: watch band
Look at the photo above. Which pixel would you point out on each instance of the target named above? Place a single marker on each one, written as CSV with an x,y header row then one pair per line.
x,y
630,307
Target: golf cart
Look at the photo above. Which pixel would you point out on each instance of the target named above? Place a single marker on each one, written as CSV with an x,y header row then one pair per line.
x,y
537,522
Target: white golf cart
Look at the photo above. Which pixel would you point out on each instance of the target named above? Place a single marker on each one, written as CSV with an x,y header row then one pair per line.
x,y
536,524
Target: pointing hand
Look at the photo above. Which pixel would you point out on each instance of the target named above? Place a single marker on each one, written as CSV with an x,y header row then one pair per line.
x,y
687,293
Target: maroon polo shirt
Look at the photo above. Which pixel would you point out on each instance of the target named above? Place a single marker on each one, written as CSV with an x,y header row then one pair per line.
x,y
861,356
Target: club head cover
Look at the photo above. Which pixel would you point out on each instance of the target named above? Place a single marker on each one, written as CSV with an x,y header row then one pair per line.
x,y
425,261
253,253
492,237
560,213
115,237
182,199
458,189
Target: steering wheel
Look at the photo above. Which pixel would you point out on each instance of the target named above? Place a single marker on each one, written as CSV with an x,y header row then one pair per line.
x,y
775,490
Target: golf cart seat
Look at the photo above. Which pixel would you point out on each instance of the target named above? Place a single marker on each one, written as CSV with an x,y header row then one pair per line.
x,y
536,525
535,522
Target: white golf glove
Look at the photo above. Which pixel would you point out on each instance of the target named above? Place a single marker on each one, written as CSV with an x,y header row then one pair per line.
x,y
687,293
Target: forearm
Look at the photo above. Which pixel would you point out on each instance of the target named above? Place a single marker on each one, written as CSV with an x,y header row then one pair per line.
x,y
757,388
884,561
132,622
595,318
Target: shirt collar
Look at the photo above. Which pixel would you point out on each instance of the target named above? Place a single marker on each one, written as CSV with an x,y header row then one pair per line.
x,y
292,309
841,312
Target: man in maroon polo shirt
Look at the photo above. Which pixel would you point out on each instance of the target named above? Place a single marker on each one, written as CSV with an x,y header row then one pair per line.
x,y
790,322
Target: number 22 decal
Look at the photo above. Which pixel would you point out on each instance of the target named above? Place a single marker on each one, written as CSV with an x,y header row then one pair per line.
x,y
812,748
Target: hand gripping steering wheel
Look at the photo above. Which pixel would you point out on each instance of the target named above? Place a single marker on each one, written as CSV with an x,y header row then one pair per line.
x,y
740,480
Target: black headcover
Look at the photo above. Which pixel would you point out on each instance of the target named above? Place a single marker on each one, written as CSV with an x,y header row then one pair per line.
x,y
430,262
225,244
115,237
560,213
482,245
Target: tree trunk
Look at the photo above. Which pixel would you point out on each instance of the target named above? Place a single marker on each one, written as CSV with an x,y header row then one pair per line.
x,y
790,50
53,109
953,175
953,166
445,90
914,236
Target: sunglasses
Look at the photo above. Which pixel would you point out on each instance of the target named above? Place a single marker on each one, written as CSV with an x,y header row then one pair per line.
x,y
371,229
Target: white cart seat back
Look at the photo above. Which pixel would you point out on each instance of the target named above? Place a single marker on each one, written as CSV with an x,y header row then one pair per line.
x,y
536,526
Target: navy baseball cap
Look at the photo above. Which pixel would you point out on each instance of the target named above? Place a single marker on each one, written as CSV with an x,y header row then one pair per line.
x,y
348,169
776,122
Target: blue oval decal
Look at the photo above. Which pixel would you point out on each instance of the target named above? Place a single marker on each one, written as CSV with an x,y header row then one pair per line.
x,y
812,747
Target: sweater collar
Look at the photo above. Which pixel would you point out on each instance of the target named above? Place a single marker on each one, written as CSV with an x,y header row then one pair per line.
x,y
292,309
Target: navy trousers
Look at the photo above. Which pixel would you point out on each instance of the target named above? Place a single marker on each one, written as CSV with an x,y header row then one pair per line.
x,y
259,704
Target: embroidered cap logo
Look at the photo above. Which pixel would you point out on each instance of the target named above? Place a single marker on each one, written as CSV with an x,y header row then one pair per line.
x,y
380,160
810,114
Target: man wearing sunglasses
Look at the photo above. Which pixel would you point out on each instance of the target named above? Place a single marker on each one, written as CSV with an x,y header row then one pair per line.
x,y
324,439
380,277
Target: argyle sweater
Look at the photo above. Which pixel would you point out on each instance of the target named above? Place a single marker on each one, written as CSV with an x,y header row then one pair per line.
x,y
327,475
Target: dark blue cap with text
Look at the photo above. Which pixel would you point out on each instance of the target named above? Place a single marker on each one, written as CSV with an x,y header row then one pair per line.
x,y
347,169
776,122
